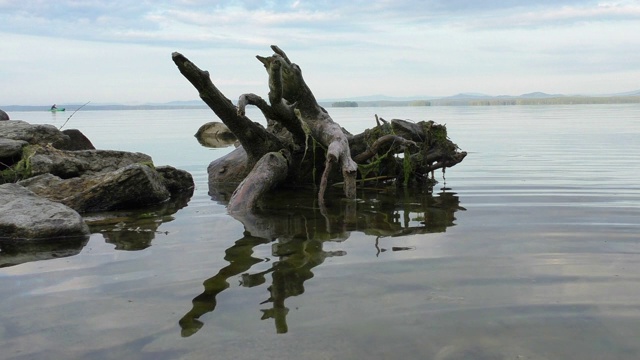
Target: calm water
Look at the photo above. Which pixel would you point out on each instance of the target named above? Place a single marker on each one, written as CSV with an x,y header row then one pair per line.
x,y
534,253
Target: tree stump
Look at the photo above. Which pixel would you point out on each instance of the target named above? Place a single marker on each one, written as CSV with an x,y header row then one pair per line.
x,y
301,140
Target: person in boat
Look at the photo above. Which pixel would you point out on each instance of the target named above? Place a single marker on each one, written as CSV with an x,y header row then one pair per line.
x,y
54,107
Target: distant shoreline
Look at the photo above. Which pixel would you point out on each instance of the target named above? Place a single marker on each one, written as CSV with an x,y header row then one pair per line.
x,y
453,101
496,101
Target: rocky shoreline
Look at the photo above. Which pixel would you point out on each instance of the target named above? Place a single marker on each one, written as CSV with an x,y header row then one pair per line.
x,y
51,180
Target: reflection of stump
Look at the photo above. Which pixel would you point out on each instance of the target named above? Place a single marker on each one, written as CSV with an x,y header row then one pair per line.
x,y
297,241
303,147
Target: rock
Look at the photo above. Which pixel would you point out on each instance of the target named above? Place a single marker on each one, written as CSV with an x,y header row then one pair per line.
x,y
10,153
77,141
133,186
67,164
64,167
33,134
3,115
215,135
27,216
176,180
10,148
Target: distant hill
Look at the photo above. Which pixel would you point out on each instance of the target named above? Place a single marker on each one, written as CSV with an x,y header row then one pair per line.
x,y
629,93
468,96
539,95
461,99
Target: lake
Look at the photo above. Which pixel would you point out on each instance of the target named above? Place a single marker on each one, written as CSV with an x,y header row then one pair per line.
x,y
528,249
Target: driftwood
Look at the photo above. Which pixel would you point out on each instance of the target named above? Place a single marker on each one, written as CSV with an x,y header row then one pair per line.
x,y
301,140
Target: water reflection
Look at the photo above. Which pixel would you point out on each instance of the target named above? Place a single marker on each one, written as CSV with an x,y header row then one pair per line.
x,y
127,230
215,135
298,230
135,229
13,252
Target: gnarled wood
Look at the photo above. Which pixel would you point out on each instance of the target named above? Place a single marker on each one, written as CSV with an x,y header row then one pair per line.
x,y
302,140
268,172
255,139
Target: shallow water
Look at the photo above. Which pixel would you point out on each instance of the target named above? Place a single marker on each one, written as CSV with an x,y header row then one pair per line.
x,y
533,253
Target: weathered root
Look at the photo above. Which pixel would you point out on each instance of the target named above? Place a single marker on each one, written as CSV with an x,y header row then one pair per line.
x,y
398,150
383,140
328,165
255,139
268,172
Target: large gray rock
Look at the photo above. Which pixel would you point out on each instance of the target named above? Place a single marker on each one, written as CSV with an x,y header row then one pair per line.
x,y
215,135
33,134
133,186
66,164
26,215
177,181
10,148
3,115
77,141
50,163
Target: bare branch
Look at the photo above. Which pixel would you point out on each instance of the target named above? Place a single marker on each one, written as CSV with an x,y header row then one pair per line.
x,y
279,51
385,139
256,140
257,101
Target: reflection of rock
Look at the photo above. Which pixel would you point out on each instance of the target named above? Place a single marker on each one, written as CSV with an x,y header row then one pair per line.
x,y
25,215
215,135
14,253
135,229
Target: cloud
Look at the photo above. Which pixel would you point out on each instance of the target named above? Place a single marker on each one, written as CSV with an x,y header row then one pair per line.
x,y
562,16
400,47
204,21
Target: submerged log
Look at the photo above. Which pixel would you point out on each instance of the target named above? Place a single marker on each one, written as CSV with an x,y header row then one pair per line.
x,y
301,140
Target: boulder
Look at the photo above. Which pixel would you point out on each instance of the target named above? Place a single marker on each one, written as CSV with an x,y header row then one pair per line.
x,y
10,148
25,215
133,186
3,115
33,134
176,181
67,164
64,167
77,141
215,135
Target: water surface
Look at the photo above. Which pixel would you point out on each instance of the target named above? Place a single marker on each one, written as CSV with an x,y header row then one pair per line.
x,y
531,253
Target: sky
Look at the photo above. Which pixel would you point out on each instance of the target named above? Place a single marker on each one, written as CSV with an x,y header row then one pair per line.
x,y
117,51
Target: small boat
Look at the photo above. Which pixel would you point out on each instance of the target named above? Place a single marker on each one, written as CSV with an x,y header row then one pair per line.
x,y
56,109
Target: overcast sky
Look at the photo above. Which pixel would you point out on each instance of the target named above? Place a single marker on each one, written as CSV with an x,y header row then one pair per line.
x,y
117,51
